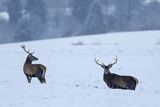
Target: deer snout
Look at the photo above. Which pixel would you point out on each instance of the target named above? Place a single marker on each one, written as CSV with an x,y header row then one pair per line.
x,y
36,59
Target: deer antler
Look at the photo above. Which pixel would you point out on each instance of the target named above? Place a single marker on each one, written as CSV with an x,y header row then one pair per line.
x,y
115,61
23,46
96,60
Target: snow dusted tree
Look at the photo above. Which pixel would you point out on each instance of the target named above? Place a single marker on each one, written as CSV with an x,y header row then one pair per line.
x,y
4,17
32,24
37,8
96,19
151,13
125,10
14,10
80,9
37,11
23,31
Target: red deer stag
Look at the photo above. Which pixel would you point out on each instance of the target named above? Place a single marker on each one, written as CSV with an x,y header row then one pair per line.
x,y
33,70
116,81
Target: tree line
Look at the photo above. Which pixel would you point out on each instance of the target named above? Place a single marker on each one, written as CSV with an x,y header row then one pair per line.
x,y
39,19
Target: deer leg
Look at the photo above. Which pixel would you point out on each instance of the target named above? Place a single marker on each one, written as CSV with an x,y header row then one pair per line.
x,y
131,87
42,75
38,73
113,86
44,80
40,79
28,78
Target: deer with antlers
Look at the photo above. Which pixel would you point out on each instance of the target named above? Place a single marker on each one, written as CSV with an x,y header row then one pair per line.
x,y
33,70
116,81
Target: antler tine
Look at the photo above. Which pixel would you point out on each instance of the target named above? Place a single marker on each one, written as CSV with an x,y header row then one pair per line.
x,y
103,63
32,52
115,61
96,60
23,46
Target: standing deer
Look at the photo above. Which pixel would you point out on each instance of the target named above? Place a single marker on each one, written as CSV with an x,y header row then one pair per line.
x,y
116,81
33,70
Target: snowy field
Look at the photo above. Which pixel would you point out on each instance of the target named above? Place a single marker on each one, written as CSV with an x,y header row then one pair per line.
x,y
75,80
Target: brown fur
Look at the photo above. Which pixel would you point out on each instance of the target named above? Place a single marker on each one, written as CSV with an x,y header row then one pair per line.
x,y
31,69
120,82
116,81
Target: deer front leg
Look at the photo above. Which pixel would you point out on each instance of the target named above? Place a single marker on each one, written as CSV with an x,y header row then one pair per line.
x,y
28,78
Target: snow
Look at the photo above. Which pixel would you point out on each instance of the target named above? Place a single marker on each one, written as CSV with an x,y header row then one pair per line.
x,y
4,16
75,80
148,1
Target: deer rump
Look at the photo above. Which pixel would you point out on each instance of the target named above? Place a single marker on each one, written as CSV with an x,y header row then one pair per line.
x,y
34,70
115,81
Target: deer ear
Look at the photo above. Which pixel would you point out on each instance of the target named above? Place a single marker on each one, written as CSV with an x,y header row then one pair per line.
x,y
103,66
110,66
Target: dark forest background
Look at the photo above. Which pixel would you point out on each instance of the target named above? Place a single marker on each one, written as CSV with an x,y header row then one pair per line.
x,y
24,20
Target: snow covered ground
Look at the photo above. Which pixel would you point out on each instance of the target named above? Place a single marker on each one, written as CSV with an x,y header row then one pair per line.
x,y
73,78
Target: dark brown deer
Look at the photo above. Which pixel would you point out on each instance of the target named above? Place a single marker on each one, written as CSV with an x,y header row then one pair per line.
x,y
33,70
116,81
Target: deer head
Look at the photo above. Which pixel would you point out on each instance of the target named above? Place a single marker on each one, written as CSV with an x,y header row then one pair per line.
x,y
106,67
30,56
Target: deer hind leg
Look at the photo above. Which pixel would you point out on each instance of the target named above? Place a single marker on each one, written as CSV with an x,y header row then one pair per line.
x,y
118,87
28,78
38,73
44,80
132,86
40,76
43,75
40,79
113,86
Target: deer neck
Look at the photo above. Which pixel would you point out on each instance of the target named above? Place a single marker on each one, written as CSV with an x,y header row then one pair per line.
x,y
106,76
28,61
